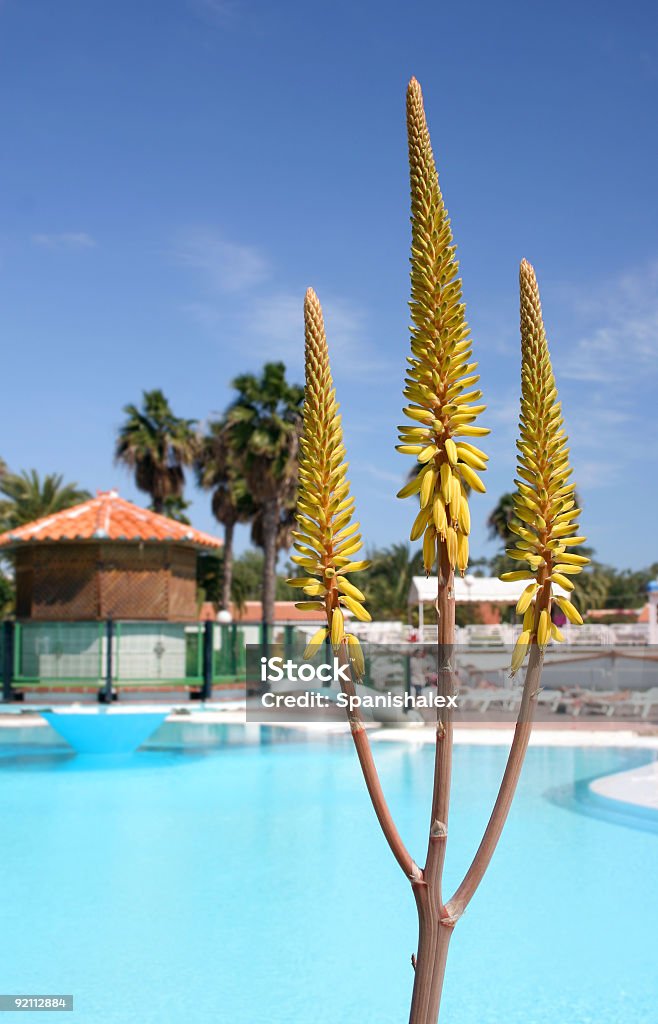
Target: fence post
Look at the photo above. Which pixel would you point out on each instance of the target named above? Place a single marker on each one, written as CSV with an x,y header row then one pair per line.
x,y
288,641
105,694
407,678
234,649
7,660
206,690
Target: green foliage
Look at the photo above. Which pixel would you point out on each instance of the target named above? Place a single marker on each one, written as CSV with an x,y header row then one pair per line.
x,y
386,583
246,581
7,595
219,471
175,507
209,578
265,423
26,497
156,445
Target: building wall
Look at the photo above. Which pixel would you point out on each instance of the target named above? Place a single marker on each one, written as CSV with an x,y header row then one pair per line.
x,y
78,582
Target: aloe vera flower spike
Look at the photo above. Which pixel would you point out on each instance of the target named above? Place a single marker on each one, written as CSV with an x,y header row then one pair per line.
x,y
546,529
443,401
545,513
326,542
326,538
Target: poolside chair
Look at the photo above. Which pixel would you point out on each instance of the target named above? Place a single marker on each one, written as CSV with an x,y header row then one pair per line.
x,y
640,702
550,699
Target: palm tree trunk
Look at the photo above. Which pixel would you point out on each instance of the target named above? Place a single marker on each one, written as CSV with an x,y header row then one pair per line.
x,y
158,505
227,576
270,531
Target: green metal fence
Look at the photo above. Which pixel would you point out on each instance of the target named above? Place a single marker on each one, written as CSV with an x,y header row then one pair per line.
x,y
65,653
129,655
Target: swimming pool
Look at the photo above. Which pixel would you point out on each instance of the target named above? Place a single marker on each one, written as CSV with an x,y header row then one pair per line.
x,y
251,884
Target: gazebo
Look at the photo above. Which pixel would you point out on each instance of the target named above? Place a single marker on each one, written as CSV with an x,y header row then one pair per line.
x,y
486,591
106,559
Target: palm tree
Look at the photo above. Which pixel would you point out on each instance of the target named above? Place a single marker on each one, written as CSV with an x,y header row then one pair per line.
x,y
388,580
593,585
265,426
157,446
217,470
26,497
499,519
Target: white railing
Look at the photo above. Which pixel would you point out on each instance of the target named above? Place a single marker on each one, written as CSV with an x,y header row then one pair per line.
x,y
501,635
635,633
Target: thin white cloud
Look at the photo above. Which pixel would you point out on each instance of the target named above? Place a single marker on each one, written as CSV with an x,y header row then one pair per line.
x,y
592,474
214,10
65,240
275,322
618,337
224,266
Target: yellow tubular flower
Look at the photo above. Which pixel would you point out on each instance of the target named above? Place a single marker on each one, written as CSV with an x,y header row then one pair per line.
x,y
439,385
326,537
544,503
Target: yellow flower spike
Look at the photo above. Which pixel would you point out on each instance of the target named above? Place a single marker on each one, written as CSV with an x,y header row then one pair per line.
x,y
439,373
462,552
355,607
356,655
520,651
419,524
526,597
326,537
544,628
427,488
570,611
464,516
413,487
451,451
348,588
314,643
337,626
452,546
529,619
446,482
429,549
439,516
544,505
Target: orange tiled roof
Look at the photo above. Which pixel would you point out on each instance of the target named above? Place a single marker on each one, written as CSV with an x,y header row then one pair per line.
x,y
284,611
107,517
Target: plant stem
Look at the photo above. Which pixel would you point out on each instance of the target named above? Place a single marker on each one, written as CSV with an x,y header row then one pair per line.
x,y
373,784
464,893
433,933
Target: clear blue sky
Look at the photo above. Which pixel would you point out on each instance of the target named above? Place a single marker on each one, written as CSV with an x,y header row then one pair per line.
x,y
174,173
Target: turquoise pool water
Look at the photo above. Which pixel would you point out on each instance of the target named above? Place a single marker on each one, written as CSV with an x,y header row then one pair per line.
x,y
251,885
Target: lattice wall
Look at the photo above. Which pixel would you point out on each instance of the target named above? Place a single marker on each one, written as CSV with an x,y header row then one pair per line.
x,y
98,581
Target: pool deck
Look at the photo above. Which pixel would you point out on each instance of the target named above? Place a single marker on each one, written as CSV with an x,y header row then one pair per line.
x,y
639,786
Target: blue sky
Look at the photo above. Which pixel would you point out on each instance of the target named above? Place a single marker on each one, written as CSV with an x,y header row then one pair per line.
x,y
176,172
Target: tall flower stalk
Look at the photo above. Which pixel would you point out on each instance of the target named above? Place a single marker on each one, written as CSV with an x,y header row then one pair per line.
x,y
545,510
440,388
327,541
546,528
443,404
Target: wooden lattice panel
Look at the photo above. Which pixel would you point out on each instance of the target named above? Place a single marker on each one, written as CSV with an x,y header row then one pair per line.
x,y
182,584
64,584
134,594
69,581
